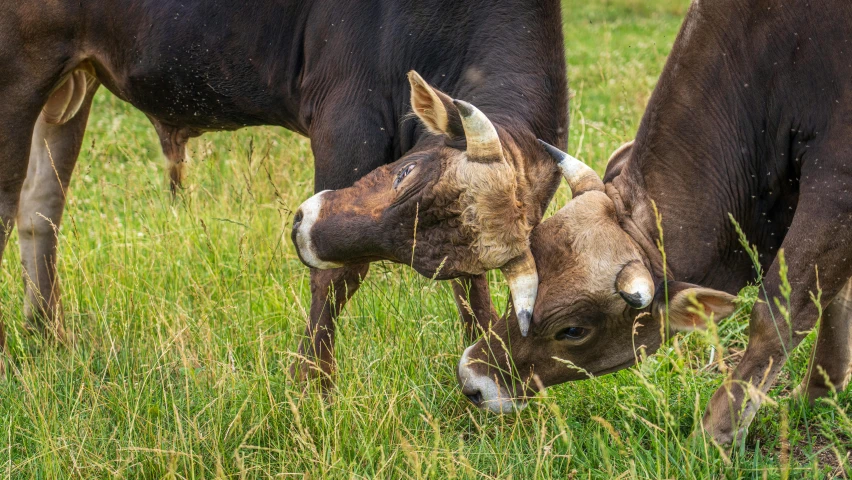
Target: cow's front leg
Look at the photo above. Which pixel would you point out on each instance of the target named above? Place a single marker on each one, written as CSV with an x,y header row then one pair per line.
x,y
832,358
13,168
53,155
819,242
347,143
473,299
330,290
733,406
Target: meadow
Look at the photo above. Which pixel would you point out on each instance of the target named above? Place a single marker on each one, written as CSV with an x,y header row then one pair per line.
x,y
187,315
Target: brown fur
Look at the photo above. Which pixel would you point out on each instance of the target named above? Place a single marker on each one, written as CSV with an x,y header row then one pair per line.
x,y
755,125
490,212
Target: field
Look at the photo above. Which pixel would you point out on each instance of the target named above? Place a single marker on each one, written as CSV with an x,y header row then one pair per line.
x,y
186,316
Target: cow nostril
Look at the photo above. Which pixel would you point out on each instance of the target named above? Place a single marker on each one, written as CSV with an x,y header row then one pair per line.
x,y
297,219
475,397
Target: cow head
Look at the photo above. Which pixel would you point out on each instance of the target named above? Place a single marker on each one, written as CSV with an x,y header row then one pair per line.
x,y
597,304
449,207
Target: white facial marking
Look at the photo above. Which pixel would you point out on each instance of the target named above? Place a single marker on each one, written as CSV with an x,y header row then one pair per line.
x,y
310,212
494,397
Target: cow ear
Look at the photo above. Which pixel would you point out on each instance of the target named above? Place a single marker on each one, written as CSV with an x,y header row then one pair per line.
x,y
434,108
617,160
689,306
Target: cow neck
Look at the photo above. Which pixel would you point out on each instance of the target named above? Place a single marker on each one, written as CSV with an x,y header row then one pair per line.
x,y
697,234
686,165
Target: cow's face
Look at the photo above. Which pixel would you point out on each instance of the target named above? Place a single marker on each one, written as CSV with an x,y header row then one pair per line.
x,y
449,207
597,305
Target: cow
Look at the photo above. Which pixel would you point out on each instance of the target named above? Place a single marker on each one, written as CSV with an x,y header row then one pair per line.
x,y
334,71
751,121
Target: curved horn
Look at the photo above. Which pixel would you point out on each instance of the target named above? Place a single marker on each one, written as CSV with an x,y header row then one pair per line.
x,y
581,178
635,285
522,276
483,144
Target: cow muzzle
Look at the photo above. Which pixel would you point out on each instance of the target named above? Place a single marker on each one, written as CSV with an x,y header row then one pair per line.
x,y
484,391
303,222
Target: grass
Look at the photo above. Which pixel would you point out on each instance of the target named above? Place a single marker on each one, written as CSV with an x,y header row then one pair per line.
x,y
186,316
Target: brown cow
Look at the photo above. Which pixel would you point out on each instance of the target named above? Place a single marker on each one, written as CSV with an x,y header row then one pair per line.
x,y
332,70
752,117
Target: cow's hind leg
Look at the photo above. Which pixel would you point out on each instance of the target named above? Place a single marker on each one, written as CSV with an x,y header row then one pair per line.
x,y
19,110
56,143
832,359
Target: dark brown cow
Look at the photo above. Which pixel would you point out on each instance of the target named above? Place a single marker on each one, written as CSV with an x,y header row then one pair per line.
x,y
462,202
752,117
333,70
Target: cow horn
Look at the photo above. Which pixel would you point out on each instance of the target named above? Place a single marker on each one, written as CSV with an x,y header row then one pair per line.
x,y
581,178
635,285
483,144
522,276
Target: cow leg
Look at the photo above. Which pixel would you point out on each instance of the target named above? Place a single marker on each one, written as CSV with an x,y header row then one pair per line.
x,y
347,144
819,237
330,290
19,111
14,152
53,155
473,299
832,360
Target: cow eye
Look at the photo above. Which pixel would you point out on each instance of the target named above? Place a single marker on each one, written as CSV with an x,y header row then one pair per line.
x,y
403,172
571,333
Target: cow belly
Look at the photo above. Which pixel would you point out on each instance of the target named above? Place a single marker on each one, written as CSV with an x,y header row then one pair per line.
x,y
196,103
207,70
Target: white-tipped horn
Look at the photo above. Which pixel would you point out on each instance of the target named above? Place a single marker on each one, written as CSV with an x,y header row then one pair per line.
x,y
635,285
581,178
522,276
483,143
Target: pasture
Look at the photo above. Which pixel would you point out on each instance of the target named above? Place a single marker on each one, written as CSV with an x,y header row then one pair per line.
x,y
188,314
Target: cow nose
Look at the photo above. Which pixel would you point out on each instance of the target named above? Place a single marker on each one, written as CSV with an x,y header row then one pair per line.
x,y
475,397
304,221
297,219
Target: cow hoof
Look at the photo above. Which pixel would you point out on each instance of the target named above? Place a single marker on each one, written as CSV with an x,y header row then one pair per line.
x,y
308,374
64,337
50,331
34,328
727,437
808,393
721,429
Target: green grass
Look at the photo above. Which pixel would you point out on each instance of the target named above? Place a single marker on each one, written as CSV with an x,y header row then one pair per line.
x,y
187,315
